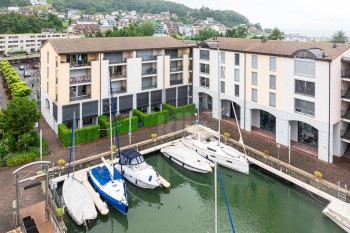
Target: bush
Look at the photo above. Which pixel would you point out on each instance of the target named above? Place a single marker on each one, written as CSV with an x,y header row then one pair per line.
x,y
151,119
82,135
25,141
21,158
18,52
180,112
123,125
61,162
17,87
318,174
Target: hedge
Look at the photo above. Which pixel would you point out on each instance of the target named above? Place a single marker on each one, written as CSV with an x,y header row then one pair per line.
x,y
180,112
151,119
123,125
82,135
21,158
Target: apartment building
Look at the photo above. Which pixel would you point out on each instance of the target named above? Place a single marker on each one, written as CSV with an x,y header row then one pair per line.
x,y
143,72
30,42
297,92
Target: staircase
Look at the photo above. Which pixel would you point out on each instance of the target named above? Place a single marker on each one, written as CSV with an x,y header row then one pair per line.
x,y
342,192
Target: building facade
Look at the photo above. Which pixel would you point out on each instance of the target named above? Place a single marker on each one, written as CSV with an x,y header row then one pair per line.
x,y
30,42
143,72
295,91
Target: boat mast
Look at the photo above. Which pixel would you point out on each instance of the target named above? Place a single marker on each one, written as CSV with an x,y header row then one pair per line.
x,y
239,130
219,84
110,129
71,146
216,197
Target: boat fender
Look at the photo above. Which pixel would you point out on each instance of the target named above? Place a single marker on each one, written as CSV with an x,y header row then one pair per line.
x,y
206,156
196,150
136,181
169,157
150,178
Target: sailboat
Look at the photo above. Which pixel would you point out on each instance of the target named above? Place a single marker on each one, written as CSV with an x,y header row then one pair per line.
x,y
77,199
108,182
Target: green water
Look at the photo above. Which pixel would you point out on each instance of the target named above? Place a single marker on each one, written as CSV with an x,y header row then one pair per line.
x,y
258,202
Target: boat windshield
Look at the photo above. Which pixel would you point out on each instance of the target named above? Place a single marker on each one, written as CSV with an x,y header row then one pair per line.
x,y
137,160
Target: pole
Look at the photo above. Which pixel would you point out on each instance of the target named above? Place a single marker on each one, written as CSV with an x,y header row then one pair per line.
x,y
47,186
198,115
41,145
130,127
219,101
239,129
17,201
216,197
278,153
289,143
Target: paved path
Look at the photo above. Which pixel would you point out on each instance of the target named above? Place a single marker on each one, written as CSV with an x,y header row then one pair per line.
x,y
338,171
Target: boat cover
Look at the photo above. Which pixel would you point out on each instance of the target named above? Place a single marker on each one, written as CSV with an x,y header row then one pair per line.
x,y
102,174
131,157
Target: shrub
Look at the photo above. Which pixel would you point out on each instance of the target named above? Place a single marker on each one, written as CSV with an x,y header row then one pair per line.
x,y
151,119
122,122
18,52
21,158
227,135
180,112
318,174
25,141
82,135
18,88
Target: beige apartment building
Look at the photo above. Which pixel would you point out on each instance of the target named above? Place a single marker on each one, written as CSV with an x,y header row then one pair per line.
x,y
143,72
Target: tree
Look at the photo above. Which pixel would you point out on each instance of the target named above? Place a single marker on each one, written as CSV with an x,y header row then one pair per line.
x,y
147,28
276,34
230,33
205,34
241,31
19,116
340,37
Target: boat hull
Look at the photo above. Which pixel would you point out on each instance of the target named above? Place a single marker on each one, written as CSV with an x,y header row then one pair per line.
x,y
132,178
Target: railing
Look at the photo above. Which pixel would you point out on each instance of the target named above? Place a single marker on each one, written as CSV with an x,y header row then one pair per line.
x,y
190,79
54,221
204,70
150,86
176,69
175,56
204,57
148,58
116,61
190,68
119,90
345,73
80,79
149,71
304,111
80,64
176,81
118,75
81,97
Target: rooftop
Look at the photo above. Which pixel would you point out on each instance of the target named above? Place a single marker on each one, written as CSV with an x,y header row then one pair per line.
x,y
278,47
110,44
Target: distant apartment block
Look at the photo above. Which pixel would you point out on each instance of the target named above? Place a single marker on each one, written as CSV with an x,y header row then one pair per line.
x,y
159,28
143,72
30,42
38,2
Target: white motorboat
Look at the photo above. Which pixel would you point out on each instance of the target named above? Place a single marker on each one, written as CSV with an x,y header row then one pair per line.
x,y
187,158
78,201
203,141
137,171
339,212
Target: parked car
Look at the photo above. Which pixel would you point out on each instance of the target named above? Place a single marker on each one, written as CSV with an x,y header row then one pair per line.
x,y
35,67
21,67
26,73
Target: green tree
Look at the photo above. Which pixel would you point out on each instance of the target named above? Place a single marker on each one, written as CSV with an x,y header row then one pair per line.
x,y
241,31
147,28
340,37
276,34
19,116
230,32
58,5
205,34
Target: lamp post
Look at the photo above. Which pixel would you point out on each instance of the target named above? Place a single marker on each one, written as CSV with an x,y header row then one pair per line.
x,y
197,116
278,151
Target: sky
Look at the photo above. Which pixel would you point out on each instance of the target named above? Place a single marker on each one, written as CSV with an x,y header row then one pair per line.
x,y
308,17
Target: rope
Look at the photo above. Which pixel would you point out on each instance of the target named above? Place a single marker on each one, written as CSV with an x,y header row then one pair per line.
x,y
316,198
227,206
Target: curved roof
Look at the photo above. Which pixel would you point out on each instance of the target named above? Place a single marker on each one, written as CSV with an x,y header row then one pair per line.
x,y
280,48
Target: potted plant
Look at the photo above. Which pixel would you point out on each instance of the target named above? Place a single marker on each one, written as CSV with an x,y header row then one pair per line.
x,y
227,135
267,153
61,163
113,147
60,212
154,136
40,173
318,175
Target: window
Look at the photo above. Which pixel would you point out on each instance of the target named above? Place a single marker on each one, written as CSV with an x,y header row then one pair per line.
x,y
272,64
87,121
237,59
254,78
236,90
204,68
222,87
47,72
254,61
222,70
47,104
56,59
222,57
204,55
237,75
272,82
254,95
48,57
204,82
305,107
304,67
272,99
47,87
304,88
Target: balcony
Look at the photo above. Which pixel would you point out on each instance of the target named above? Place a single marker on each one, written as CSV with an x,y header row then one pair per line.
x,y
345,115
118,75
80,79
346,94
148,58
119,90
82,97
116,61
176,69
80,64
204,70
345,73
149,71
149,86
176,81
190,68
175,56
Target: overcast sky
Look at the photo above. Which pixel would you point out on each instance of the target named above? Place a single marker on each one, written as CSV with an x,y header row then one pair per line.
x,y
311,17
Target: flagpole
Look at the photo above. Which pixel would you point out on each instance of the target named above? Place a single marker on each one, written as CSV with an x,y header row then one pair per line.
x,y
239,130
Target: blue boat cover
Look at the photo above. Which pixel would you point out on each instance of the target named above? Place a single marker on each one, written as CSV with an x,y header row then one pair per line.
x,y
131,157
101,174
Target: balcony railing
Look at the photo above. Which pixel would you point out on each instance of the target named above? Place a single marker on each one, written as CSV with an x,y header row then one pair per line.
x,y
190,68
118,75
116,61
204,70
80,64
176,81
119,90
149,71
148,58
81,97
175,56
176,69
345,73
80,79
149,86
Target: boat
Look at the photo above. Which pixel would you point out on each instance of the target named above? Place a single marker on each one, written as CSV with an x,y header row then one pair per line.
x,y
136,170
187,158
204,141
107,181
78,201
339,212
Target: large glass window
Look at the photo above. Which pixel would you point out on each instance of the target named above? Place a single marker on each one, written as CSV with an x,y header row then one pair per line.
x,y
204,82
204,68
267,121
304,67
305,107
307,134
304,88
204,54
237,59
